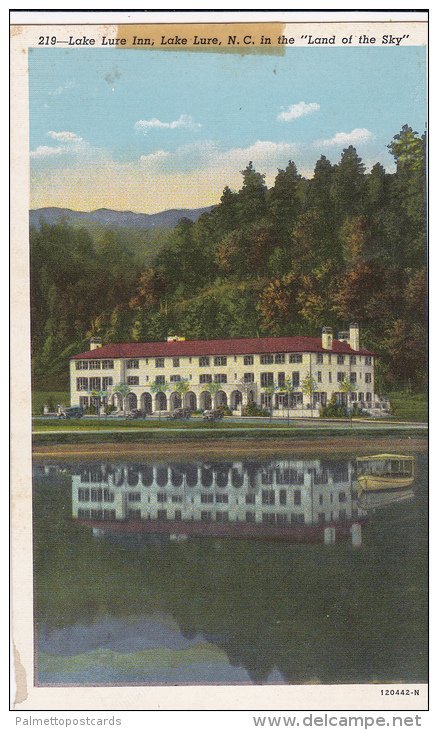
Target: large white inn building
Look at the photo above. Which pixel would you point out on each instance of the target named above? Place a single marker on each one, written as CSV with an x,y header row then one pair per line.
x,y
160,376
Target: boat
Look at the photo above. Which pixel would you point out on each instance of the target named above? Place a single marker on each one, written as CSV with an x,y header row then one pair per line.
x,y
383,498
385,471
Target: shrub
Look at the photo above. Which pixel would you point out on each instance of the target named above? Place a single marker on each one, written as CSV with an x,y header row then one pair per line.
x,y
252,409
225,411
334,409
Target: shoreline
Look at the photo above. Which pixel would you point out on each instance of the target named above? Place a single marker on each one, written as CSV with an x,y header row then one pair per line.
x,y
338,444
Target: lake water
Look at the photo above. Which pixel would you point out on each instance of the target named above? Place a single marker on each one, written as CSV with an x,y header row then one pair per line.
x,y
270,571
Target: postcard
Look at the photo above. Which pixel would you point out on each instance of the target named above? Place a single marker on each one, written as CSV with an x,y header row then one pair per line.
x,y
219,410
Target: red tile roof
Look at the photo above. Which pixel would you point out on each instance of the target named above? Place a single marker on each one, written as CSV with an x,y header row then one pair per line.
x,y
246,346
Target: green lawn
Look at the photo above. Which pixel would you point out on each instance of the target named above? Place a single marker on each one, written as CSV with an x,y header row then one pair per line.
x,y
40,398
409,406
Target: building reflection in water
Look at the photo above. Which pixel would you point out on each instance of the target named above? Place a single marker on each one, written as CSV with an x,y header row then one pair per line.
x,y
284,499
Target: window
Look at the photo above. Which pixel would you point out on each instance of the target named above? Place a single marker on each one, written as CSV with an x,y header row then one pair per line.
x,y
248,377
204,378
342,514
96,495
84,495
321,517
94,365
175,378
296,379
133,380
204,362
221,516
330,377
84,513
178,515
83,401
341,377
368,360
268,477
368,397
353,378
283,496
279,358
268,496
319,376
319,358
160,379
134,514
177,498
206,498
94,383
297,497
222,498
134,496
266,359
161,497
220,378
368,377
133,364
162,514
353,359
268,518
206,516
107,364
250,499
81,383
175,362
159,362
266,379
220,360
250,517
281,519
107,382
81,365
108,495
342,497
281,379
248,360
341,359
295,358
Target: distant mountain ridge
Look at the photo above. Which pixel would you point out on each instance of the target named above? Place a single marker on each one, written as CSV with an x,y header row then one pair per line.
x,y
115,218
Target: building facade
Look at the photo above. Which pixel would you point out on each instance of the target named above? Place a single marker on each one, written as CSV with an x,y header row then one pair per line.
x,y
281,498
279,373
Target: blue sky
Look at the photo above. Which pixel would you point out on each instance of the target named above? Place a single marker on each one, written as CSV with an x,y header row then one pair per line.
x,y
149,130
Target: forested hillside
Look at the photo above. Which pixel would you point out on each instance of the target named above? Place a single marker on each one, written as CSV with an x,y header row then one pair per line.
x,y
342,246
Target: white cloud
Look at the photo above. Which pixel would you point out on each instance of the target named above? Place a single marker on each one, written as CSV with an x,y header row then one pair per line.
x,y
265,155
346,138
295,111
183,121
154,158
60,89
68,137
45,151
72,143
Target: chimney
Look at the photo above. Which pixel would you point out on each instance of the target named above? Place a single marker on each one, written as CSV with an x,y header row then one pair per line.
x,y
354,336
95,343
327,338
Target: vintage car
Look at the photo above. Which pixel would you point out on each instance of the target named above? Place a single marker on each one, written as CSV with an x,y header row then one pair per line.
x,y
71,412
136,413
180,413
213,415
